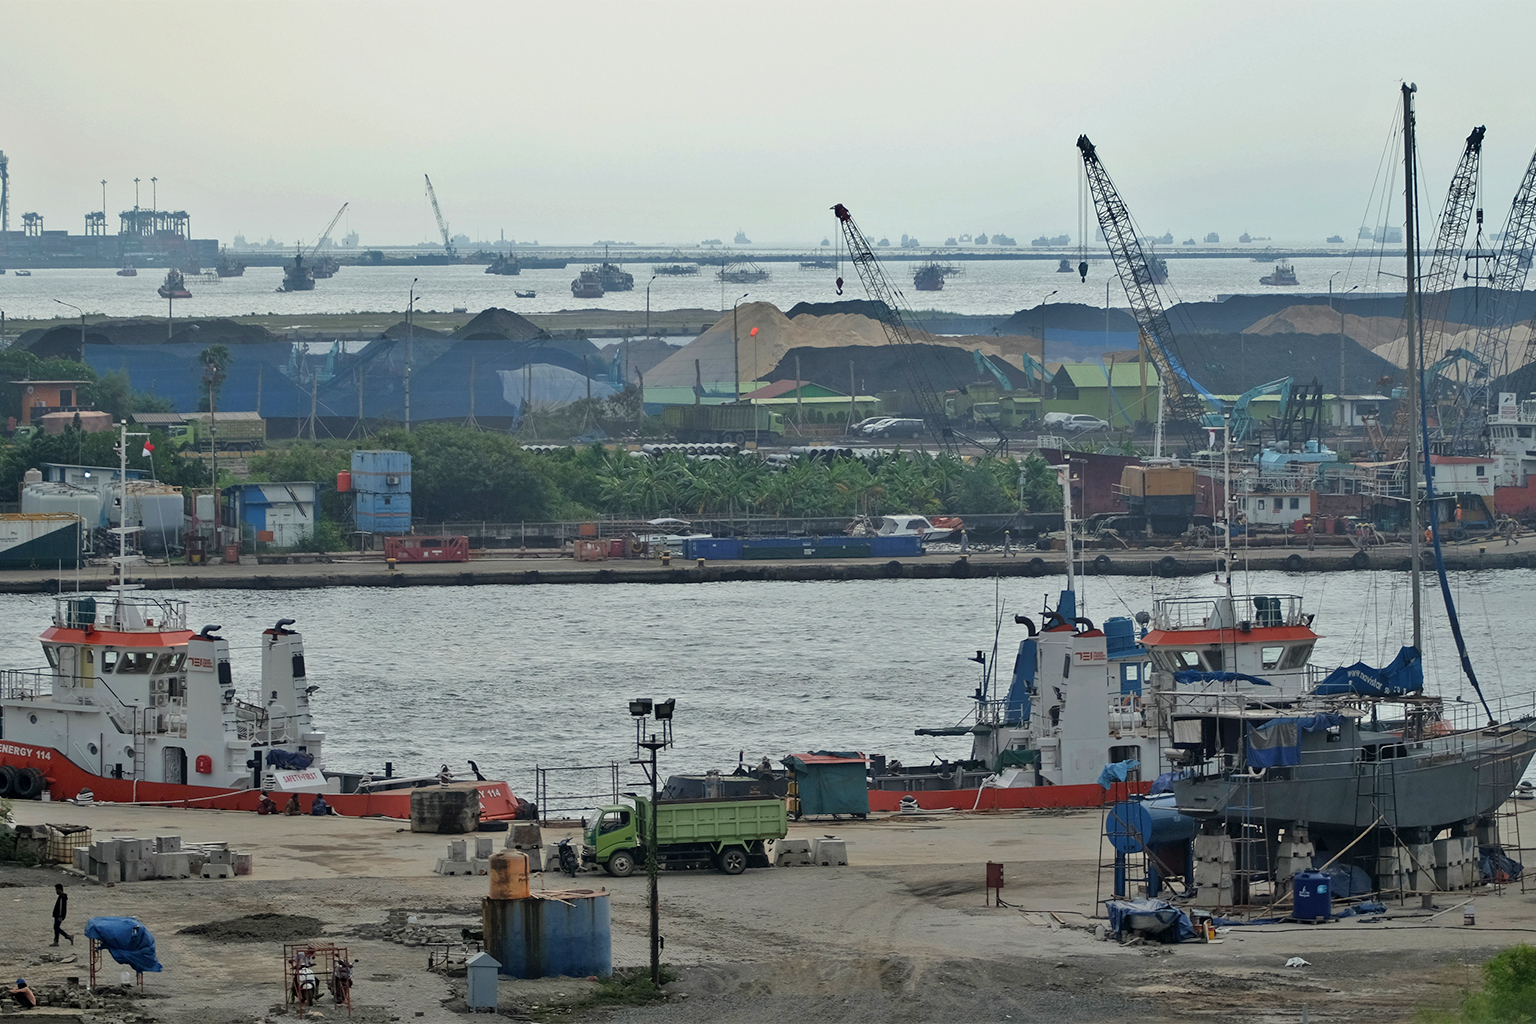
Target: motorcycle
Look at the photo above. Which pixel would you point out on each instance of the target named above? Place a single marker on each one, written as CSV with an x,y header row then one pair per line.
x,y
340,984
570,860
307,986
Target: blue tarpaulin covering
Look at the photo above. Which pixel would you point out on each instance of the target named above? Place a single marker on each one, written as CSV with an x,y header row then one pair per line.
x,y
1118,771
830,782
1016,709
1404,675
1277,743
1194,676
1147,915
126,938
289,760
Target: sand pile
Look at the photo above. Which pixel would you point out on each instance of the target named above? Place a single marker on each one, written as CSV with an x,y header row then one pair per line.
x,y
1456,336
777,335
1370,331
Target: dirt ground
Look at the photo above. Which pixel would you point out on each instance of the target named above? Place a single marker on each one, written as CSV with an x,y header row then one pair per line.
x,y
901,934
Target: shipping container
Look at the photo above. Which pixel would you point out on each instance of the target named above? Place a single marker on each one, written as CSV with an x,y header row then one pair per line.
x,y
381,485
40,540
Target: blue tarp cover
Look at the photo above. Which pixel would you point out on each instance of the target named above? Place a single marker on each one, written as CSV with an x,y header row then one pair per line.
x,y
126,938
1404,675
1277,743
1117,772
289,760
1177,925
838,787
1195,676
1016,709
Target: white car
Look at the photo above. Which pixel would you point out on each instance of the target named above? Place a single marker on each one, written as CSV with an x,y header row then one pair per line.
x,y
1080,423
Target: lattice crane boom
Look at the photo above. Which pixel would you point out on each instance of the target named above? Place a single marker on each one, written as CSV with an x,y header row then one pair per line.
x,y
1506,281
328,229
896,330
442,225
1182,392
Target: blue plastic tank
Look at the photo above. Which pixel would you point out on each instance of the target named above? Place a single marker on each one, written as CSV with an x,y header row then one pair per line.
x,y
1312,896
1119,636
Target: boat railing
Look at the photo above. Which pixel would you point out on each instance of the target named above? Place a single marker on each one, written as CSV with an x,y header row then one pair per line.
x,y
118,612
1261,610
26,683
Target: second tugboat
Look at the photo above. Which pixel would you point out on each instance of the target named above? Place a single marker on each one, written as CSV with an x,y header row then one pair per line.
x,y
175,286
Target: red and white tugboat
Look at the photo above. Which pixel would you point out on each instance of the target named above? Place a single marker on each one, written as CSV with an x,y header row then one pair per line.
x,y
135,707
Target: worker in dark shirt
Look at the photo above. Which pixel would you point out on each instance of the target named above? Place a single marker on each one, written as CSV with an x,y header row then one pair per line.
x,y
60,912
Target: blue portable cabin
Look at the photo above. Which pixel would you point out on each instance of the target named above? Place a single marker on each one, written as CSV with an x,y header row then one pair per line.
x,y
381,485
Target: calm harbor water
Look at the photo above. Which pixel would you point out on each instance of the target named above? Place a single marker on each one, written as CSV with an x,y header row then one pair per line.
x,y
518,676
996,287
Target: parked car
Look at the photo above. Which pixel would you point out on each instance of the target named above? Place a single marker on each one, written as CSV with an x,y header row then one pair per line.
x,y
861,427
1082,423
872,427
897,427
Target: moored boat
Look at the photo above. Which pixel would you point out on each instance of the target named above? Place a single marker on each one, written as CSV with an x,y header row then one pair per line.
x,y
1284,276
129,270
174,286
588,285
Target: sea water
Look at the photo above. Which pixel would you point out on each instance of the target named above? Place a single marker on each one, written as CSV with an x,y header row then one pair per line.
x,y
518,676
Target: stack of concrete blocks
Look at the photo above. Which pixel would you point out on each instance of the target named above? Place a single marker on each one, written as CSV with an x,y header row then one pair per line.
x,y
529,838
1293,855
103,864
829,852
457,862
1215,862
170,860
219,863
792,853
485,846
1406,868
1455,863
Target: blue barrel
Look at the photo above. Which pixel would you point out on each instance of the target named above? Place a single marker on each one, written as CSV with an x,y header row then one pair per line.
x,y
1132,824
1312,896
547,938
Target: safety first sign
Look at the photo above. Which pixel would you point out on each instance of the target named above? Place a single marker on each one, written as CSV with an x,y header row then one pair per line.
x,y
309,780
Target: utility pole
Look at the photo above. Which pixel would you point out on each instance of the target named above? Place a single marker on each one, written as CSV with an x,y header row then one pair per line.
x,y
1410,235
736,347
652,742
410,310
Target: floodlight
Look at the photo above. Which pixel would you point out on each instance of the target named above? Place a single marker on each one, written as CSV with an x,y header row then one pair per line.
x,y
665,708
640,707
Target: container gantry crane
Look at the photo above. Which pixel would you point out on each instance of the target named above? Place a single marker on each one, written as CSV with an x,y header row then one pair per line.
x,y
1184,397
442,225
896,330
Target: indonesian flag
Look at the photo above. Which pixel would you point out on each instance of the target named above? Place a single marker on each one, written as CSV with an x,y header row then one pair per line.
x,y
148,448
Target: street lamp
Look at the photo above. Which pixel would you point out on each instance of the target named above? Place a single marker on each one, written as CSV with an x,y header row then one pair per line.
x,y
647,327
77,309
1042,338
410,310
1351,288
736,347
640,707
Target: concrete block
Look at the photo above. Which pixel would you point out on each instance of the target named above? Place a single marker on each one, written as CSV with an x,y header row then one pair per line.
x,y
1211,873
133,849
168,844
243,863
139,870
481,866
535,859
217,856
195,861
793,846
211,870
172,865
783,858
1213,896
831,853
457,850
449,866
108,872
525,836
105,849
452,809
81,858
484,847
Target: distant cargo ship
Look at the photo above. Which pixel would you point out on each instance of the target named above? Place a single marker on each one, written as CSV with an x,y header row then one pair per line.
x,y
506,265
297,277
588,285
229,266
1335,239
929,278
1283,277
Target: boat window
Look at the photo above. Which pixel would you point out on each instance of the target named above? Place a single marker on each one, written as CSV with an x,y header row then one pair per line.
x,y
1269,657
612,822
108,660
53,659
181,659
163,665
1186,659
1296,656
137,662
1525,431
1214,659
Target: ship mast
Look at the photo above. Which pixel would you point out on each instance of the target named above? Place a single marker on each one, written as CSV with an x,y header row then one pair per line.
x,y
1410,236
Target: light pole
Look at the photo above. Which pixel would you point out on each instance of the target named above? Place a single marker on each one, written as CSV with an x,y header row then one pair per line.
x,y
736,347
1042,336
77,309
647,327
154,195
1351,288
663,709
410,310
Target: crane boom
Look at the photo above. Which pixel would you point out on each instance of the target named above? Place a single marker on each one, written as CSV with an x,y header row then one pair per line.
x,y
442,225
328,229
897,333
1136,276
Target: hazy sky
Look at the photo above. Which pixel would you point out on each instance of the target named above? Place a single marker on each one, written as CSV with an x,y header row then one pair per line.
x,y
675,122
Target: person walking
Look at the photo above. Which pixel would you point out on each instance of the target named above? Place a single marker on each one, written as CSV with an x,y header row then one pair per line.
x,y
60,912
1311,534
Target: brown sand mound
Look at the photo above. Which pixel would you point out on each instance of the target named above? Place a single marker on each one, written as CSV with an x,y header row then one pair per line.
x,y
1370,331
777,334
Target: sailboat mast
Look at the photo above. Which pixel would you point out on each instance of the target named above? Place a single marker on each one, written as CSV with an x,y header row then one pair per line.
x,y
122,518
1410,236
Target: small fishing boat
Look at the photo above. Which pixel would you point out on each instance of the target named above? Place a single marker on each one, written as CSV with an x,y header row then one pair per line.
x,y
129,270
526,295
1284,276
22,273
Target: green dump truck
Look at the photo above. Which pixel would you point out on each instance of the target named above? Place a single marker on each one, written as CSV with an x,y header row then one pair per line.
x,y
726,834
723,423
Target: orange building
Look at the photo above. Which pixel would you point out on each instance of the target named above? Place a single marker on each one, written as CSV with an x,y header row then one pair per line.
x,y
41,397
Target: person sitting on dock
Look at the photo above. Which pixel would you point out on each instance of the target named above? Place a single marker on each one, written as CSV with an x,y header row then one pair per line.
x,y
267,805
293,805
319,808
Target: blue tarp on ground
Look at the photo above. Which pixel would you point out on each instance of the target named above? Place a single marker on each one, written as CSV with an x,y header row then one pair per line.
x,y
830,782
126,938
1176,925
1404,675
1277,743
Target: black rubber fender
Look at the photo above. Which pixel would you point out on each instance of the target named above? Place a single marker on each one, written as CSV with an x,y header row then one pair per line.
x,y
29,784
1103,564
1294,563
1035,566
1360,560
1168,566
7,781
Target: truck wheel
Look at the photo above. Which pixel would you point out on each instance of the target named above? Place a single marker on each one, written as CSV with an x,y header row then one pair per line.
x,y
732,860
621,864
